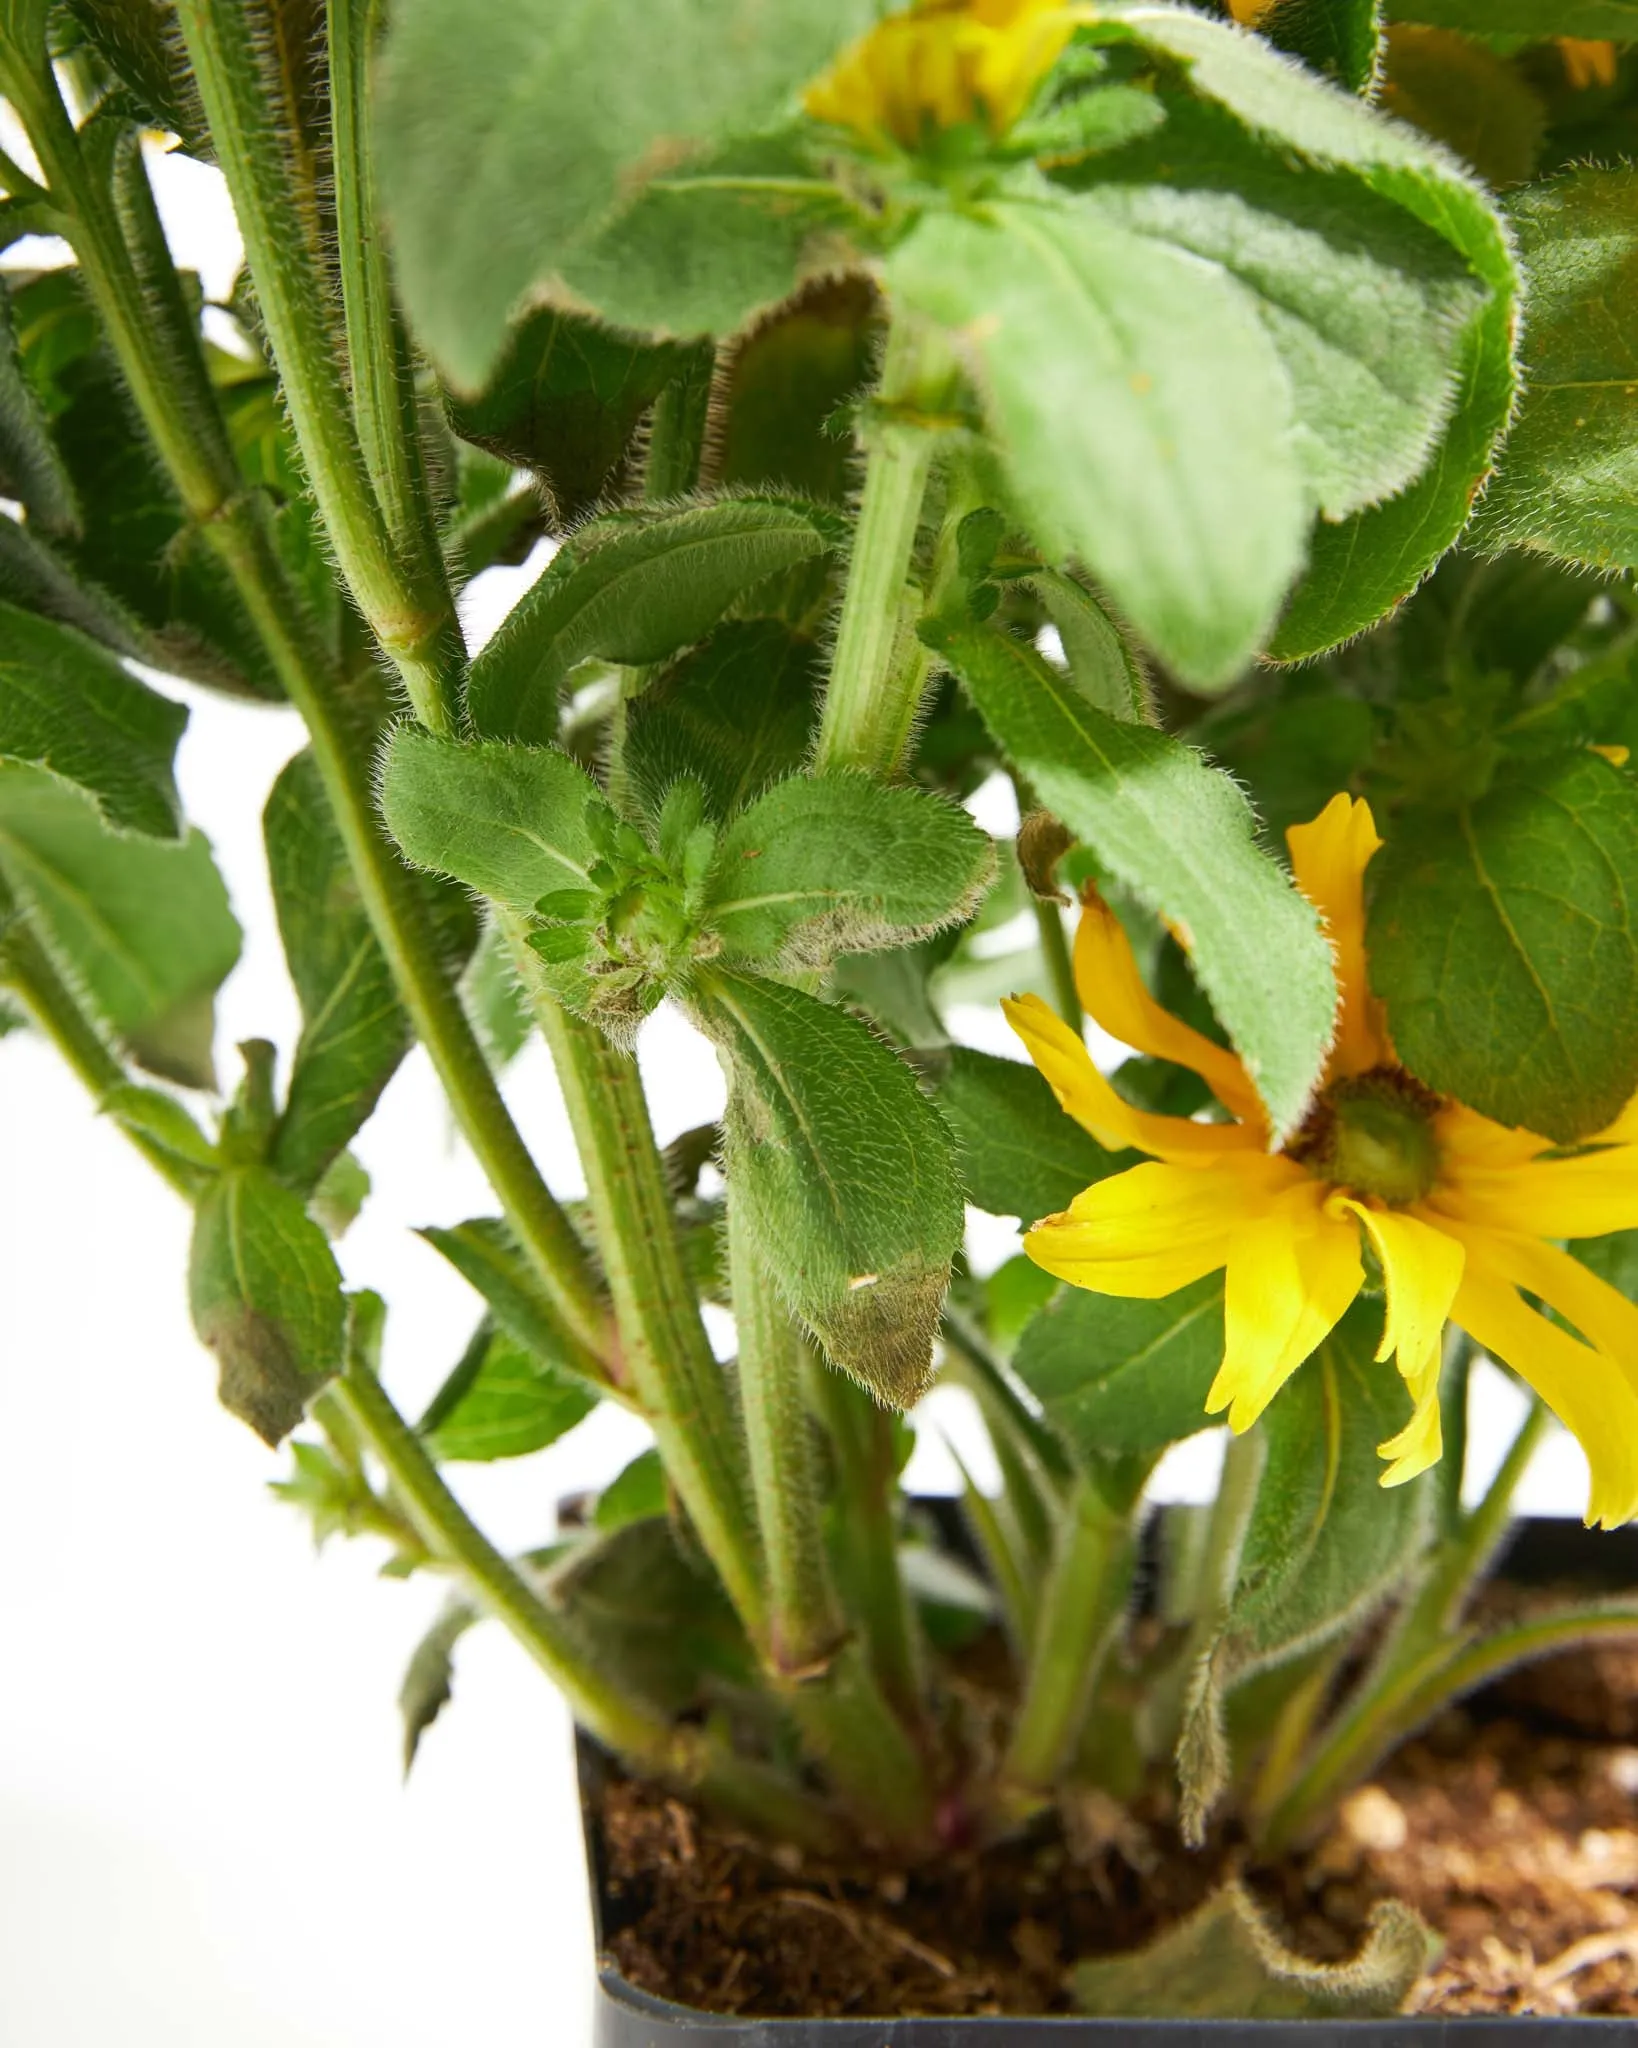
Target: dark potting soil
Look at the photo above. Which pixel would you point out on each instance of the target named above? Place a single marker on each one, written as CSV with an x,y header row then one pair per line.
x,y
1511,1825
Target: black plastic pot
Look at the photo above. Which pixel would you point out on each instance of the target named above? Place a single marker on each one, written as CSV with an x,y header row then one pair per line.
x,y
624,2017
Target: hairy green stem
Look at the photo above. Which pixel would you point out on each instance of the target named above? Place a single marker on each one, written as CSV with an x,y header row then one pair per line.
x,y
1060,966
400,921
414,622
687,1756
877,671
664,1352
178,412
1082,1602
805,1625
383,379
1464,1558
865,1537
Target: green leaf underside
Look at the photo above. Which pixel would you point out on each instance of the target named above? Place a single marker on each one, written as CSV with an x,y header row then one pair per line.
x,y
786,381
1099,660
1366,307
1119,1378
733,716
31,469
1503,940
354,1029
508,821
1180,834
846,1173
1018,1154
1363,566
631,589
663,1626
636,1493
143,926
511,138
1337,38
429,1677
35,577
1327,1542
832,864
486,1255
265,1294
134,542
514,1403
68,706
1226,1962
1139,408
1616,19
1568,481
565,399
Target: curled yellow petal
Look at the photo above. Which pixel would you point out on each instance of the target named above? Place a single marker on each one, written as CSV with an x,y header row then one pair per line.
x,y
1087,1096
1503,1179
1156,1228
1114,993
1422,1266
1587,62
1329,856
1589,1392
1292,1273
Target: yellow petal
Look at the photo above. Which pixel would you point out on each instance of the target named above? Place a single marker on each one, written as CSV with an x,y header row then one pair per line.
x,y
1292,1273
1157,1228
1601,1313
1109,984
1329,857
1587,62
1422,1266
1084,1094
1502,1179
1588,1392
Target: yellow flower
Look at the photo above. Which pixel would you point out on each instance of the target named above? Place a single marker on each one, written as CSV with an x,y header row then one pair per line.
x,y
1461,1213
943,64
1587,63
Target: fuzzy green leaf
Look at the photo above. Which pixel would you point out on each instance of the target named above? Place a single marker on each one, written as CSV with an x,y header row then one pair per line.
x,y
786,382
354,1028
733,716
429,1677
1616,19
144,926
1117,1377
565,399
1366,306
265,1293
511,138
1568,481
1504,940
1103,666
637,1493
1018,1154
31,468
1340,39
1139,409
1181,835
633,588
1327,1542
35,577
846,1173
1360,568
513,1402
486,1255
1225,1962
67,706
830,864
508,821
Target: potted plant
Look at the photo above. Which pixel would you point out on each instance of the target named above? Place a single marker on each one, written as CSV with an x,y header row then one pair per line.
x,y
1221,428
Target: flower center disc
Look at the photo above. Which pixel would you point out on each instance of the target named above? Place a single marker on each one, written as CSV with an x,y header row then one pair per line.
x,y
1373,1134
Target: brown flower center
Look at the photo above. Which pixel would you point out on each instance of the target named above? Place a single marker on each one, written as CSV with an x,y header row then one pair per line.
x,y
1373,1135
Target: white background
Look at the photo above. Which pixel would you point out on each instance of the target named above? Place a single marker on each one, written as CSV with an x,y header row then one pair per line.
x,y
205,1837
